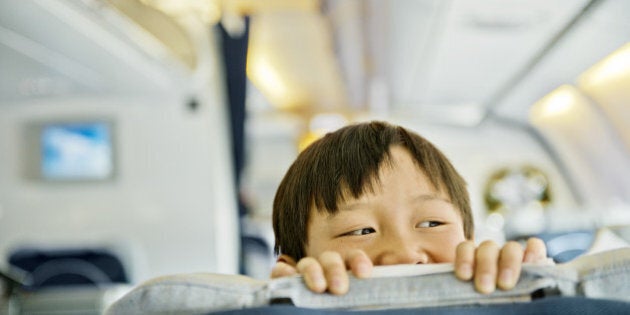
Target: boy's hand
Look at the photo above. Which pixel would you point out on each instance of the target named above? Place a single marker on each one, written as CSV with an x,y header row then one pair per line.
x,y
326,272
491,266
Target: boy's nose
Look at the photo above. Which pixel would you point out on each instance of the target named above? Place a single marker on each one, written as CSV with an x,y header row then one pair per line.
x,y
398,251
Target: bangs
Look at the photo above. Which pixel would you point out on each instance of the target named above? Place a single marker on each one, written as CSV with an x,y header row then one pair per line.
x,y
351,182
339,175
345,164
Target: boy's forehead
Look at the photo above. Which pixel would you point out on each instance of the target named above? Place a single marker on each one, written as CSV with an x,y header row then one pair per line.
x,y
412,198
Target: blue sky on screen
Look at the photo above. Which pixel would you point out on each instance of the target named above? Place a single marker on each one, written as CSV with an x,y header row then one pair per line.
x,y
76,151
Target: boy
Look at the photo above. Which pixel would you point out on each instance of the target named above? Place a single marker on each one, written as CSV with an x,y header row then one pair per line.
x,y
377,194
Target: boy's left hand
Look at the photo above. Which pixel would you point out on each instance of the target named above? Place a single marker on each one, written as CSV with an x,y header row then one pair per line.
x,y
492,267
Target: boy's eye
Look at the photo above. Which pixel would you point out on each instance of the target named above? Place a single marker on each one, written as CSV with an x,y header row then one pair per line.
x,y
363,231
429,224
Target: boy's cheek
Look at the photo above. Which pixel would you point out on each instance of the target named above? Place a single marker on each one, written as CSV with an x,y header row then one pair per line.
x,y
444,247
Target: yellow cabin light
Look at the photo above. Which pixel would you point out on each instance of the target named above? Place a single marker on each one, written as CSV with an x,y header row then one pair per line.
x,y
569,117
208,10
556,104
607,83
291,61
581,136
272,80
308,138
559,104
268,70
263,74
612,68
168,6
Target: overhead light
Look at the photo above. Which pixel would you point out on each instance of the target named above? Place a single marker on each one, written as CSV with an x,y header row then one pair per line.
x,y
557,105
270,79
234,11
291,61
583,140
268,76
607,83
610,70
209,11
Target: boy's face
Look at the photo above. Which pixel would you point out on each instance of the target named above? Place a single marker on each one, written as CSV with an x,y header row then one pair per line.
x,y
405,221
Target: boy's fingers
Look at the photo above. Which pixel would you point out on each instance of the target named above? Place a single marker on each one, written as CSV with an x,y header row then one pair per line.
x,y
536,251
510,265
465,260
335,272
360,264
282,269
486,267
313,274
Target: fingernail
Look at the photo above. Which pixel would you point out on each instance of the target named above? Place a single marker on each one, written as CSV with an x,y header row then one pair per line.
x,y
506,278
486,283
465,271
337,286
362,271
318,281
335,283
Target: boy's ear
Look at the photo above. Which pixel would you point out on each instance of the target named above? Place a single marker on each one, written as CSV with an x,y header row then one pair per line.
x,y
287,260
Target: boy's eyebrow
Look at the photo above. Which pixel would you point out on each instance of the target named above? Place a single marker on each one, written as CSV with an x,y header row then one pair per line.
x,y
347,207
352,206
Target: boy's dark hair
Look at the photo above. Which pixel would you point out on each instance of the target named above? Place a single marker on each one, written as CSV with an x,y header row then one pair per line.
x,y
346,163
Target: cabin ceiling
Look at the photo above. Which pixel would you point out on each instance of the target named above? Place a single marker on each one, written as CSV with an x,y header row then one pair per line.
x,y
460,61
452,61
60,48
456,61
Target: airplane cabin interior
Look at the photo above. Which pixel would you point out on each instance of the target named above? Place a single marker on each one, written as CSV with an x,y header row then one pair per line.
x,y
146,138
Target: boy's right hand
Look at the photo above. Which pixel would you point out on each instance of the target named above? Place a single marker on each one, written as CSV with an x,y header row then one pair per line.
x,y
326,272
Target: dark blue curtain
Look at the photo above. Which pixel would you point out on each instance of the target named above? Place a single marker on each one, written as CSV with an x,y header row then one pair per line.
x,y
234,51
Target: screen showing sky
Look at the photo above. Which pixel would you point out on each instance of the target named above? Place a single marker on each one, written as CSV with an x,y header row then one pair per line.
x,y
76,151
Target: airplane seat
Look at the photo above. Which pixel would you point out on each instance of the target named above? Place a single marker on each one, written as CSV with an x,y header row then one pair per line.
x,y
68,267
609,238
563,247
